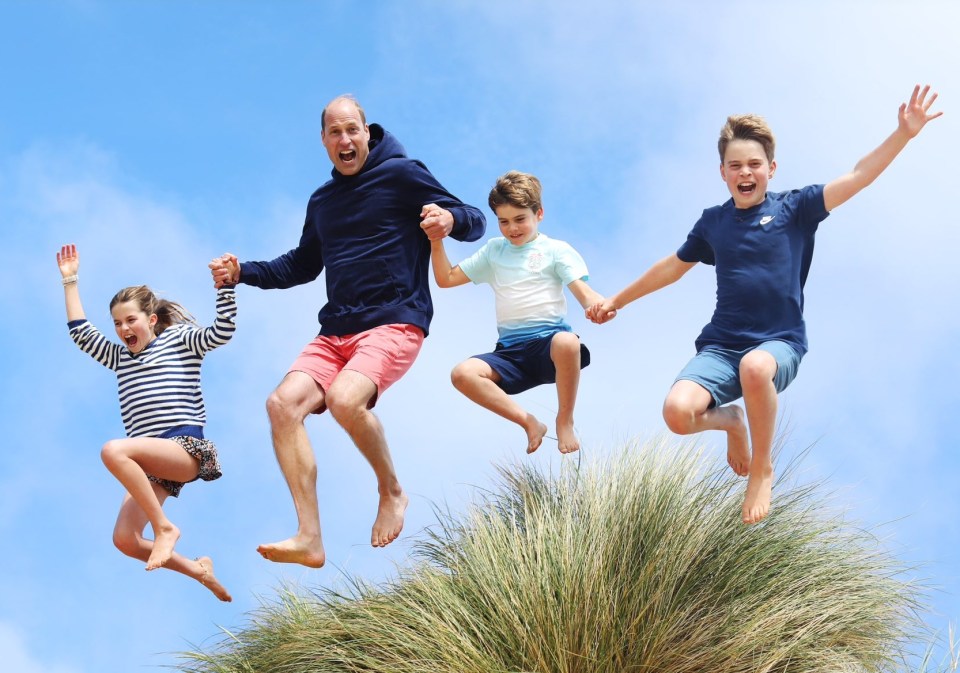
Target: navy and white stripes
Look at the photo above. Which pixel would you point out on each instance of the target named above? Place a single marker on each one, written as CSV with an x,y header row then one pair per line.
x,y
159,387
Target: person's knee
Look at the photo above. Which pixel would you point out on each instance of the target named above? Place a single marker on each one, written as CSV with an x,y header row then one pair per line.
x,y
281,409
757,368
461,375
678,415
564,345
111,453
344,409
127,541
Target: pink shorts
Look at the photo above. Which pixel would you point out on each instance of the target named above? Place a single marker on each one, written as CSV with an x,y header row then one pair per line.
x,y
382,354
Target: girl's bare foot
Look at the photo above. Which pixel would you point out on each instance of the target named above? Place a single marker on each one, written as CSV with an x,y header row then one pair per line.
x,y
567,437
738,444
756,503
535,433
389,520
209,580
306,551
164,541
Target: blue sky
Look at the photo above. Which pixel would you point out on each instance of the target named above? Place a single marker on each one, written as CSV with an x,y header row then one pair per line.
x,y
156,135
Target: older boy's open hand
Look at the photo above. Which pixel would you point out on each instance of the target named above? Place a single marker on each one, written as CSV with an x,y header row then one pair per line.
x,y
913,115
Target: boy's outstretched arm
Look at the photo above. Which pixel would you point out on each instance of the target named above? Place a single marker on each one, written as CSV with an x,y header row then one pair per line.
x,y
668,270
585,294
912,118
445,274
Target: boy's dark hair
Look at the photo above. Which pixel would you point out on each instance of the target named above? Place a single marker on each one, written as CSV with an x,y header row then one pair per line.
x,y
746,127
517,189
346,96
168,312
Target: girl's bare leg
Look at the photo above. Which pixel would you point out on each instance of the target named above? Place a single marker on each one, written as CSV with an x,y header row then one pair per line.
x,y
130,460
128,538
477,380
565,353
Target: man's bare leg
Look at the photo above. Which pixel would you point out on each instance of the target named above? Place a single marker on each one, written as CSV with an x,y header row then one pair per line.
x,y
287,407
565,353
686,412
128,538
757,369
347,401
130,460
477,380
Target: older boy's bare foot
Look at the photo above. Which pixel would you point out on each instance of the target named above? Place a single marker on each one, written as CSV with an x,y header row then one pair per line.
x,y
567,438
535,433
164,541
209,580
307,551
738,443
756,503
389,521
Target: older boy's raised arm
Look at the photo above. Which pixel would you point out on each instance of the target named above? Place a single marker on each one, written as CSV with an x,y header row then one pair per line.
x,y
912,117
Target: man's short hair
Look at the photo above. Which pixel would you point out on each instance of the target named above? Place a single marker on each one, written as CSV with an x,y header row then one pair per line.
x,y
517,189
347,96
746,127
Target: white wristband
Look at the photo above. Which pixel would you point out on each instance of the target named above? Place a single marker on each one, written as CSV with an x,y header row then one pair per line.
x,y
70,280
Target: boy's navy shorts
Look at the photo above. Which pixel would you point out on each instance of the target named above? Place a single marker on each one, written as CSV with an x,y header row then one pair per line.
x,y
526,364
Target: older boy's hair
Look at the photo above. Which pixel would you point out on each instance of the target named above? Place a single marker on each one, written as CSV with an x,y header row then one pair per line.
x,y
517,189
747,127
346,96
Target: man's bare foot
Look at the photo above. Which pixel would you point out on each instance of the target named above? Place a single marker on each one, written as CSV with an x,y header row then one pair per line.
x,y
303,550
738,444
535,433
389,521
164,541
209,580
756,503
567,437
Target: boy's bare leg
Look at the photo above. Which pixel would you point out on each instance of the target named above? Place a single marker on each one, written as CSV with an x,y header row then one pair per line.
x,y
128,538
130,460
347,401
757,369
293,400
686,412
477,380
565,353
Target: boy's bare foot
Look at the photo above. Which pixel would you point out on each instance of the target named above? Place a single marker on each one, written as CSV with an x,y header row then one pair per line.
x,y
389,521
535,433
738,443
756,503
303,550
164,541
567,438
209,580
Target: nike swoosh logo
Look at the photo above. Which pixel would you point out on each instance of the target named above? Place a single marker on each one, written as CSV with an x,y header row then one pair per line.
x,y
766,219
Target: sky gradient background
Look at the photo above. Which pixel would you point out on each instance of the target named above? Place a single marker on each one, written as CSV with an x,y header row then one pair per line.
x,y
158,135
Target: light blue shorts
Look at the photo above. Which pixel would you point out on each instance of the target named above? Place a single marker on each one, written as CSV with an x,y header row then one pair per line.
x,y
718,369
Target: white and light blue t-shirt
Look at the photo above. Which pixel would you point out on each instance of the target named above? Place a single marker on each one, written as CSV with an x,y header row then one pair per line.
x,y
528,282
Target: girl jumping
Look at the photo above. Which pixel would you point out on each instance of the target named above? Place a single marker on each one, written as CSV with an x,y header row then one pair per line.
x,y
158,376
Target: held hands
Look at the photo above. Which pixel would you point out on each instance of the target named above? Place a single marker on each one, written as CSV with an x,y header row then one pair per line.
x,y
913,115
601,312
225,270
68,260
436,222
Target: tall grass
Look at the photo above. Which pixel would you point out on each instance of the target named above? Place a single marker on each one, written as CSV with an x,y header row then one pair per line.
x,y
637,562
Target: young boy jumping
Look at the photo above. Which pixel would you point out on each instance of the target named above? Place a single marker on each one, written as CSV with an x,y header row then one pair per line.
x,y
527,271
761,244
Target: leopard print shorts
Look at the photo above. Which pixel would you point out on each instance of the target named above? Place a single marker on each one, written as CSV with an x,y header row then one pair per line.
x,y
203,450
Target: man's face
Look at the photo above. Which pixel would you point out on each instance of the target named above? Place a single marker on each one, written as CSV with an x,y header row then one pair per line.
x,y
746,171
346,137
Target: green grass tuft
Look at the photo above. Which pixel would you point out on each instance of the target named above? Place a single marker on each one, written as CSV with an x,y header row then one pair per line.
x,y
637,562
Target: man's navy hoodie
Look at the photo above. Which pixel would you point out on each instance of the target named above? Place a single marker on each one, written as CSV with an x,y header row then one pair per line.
x,y
364,229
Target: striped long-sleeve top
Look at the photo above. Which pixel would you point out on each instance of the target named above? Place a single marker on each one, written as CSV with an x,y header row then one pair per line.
x,y
160,386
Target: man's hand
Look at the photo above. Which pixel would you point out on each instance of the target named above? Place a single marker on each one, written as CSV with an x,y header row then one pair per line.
x,y
225,270
601,312
436,222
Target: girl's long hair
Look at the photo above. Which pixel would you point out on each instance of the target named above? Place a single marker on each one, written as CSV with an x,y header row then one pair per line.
x,y
168,312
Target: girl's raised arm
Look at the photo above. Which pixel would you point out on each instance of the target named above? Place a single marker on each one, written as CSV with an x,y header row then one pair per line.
x,y
69,262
